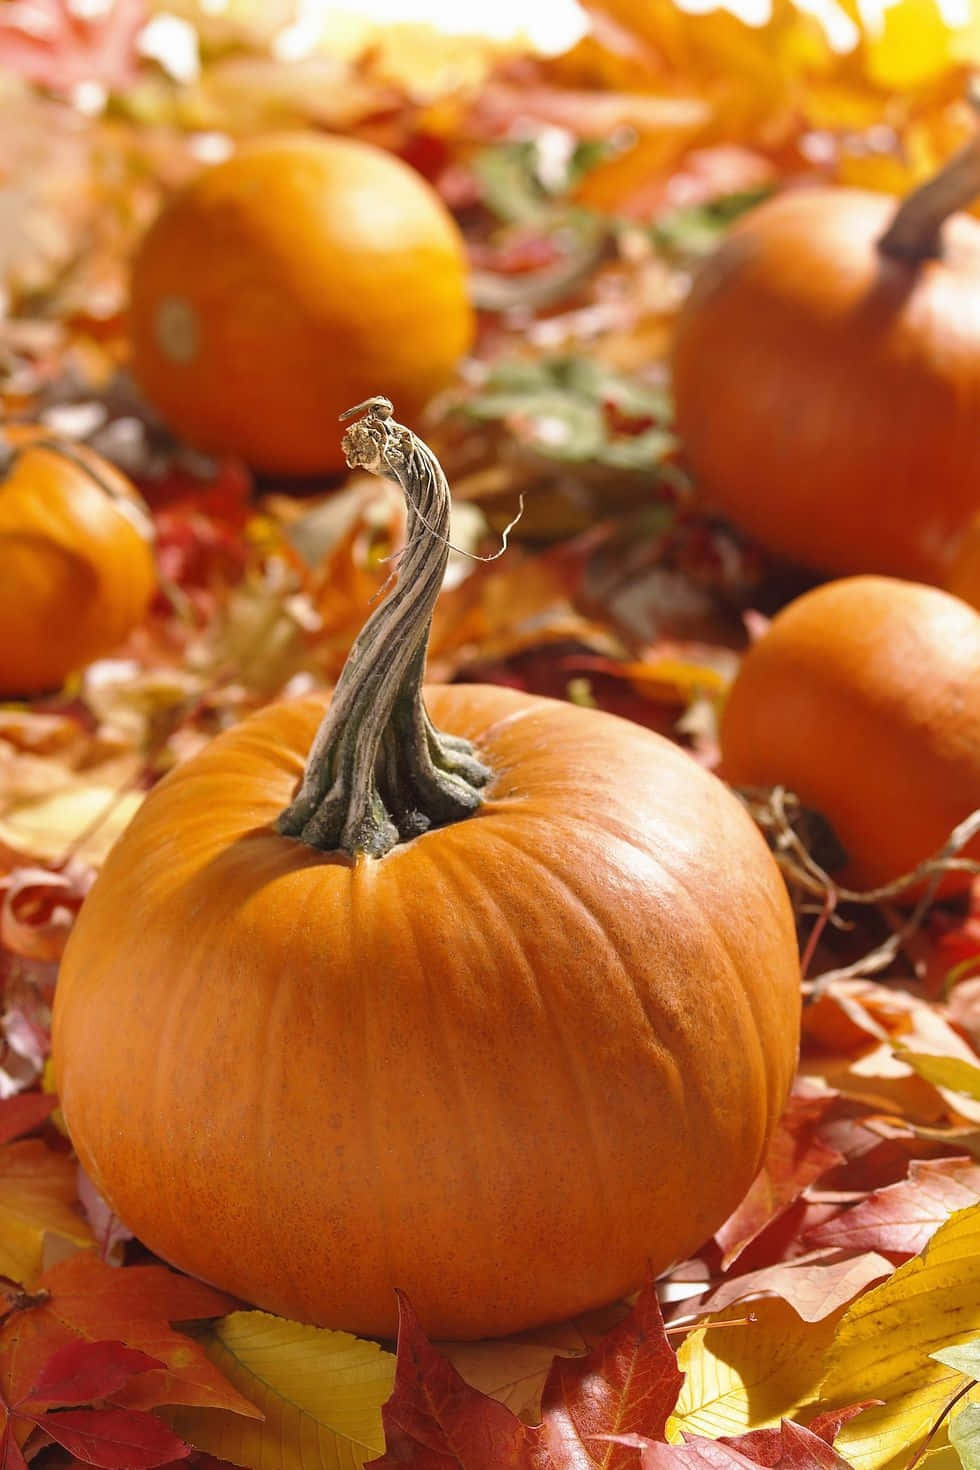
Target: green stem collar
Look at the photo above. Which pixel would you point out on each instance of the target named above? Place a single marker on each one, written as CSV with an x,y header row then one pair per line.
x,y
379,773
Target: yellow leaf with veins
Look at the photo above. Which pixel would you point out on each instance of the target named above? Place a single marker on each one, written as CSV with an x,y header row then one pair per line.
x,y
751,1374
321,1393
883,1343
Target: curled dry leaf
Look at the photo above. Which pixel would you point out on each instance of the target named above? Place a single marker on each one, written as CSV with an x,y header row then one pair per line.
x,y
38,907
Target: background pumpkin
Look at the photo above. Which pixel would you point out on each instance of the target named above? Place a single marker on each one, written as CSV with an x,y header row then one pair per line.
x,y
76,559
507,1066
862,698
280,285
826,371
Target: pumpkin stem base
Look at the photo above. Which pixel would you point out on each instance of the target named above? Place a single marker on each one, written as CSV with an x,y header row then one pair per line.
x,y
379,772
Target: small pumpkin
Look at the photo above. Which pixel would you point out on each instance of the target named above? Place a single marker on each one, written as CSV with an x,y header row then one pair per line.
x,y
500,1013
862,698
76,559
278,286
826,370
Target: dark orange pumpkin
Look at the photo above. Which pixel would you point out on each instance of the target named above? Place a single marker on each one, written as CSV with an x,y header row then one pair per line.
x,y
281,284
501,1017
826,371
862,697
76,559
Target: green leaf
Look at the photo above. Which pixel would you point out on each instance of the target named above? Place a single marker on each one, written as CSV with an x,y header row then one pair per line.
x,y
965,1358
519,181
577,411
964,1435
697,230
321,1393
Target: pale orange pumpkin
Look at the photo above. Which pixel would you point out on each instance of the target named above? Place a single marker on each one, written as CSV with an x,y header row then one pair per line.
x,y
826,371
76,559
502,1017
281,284
862,698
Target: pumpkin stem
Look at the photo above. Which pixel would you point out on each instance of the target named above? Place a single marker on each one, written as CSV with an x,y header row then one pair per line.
x,y
379,772
915,232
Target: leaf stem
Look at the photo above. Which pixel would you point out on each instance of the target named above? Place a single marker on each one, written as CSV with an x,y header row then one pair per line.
x,y
946,1411
379,772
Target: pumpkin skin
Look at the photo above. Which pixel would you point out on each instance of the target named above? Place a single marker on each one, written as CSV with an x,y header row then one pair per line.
x,y
505,1068
862,698
282,285
828,395
76,560
964,574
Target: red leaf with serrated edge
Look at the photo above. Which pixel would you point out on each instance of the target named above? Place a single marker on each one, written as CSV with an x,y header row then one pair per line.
x,y
115,1439
22,1113
828,1426
83,1371
628,1383
797,1155
694,1454
83,1299
900,1219
435,1421
788,1446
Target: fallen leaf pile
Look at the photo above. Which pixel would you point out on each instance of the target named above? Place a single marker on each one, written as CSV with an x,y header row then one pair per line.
x,y
834,1320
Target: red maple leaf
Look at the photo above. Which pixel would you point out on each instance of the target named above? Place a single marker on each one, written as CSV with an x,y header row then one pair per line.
x,y
83,1301
83,1373
627,1384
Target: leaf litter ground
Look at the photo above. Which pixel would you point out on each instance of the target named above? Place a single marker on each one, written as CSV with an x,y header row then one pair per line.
x,y
833,1320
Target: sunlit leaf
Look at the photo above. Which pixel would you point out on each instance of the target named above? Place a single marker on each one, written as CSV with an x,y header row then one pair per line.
x,y
320,1392
751,1374
884,1342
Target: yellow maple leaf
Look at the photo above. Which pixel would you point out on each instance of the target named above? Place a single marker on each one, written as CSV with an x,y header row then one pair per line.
x,y
321,1393
911,47
748,1375
882,1346
37,1195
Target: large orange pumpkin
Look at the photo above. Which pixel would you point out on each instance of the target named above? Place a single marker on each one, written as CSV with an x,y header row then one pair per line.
x,y
282,284
501,1017
76,559
862,697
826,371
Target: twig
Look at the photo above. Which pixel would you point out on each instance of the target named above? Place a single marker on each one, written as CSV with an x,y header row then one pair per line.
x,y
779,814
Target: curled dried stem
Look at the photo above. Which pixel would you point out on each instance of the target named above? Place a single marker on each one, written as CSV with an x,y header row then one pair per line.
x,y
781,816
